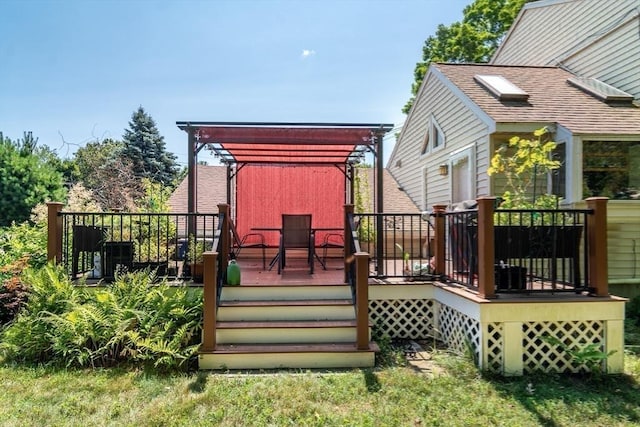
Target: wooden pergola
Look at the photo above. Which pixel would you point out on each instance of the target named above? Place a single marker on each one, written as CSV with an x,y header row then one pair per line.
x,y
238,144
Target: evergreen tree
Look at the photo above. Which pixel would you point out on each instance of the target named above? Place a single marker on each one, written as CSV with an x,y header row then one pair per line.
x,y
28,176
475,39
145,148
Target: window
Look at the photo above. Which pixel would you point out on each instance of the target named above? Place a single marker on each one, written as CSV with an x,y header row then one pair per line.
x,y
425,142
462,175
437,136
611,169
501,87
433,137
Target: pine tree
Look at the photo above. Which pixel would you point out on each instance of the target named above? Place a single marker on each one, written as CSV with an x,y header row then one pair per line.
x,y
146,149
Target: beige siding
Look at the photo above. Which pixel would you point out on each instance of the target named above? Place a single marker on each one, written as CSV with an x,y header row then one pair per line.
x,y
548,31
623,228
461,128
610,58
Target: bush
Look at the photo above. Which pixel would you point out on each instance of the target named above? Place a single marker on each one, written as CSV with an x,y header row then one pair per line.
x,y
21,246
132,321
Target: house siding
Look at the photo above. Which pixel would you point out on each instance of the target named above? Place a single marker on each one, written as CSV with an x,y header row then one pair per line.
x,y
610,58
623,239
461,128
541,34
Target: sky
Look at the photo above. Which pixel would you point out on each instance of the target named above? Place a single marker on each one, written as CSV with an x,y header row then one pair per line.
x,y
73,72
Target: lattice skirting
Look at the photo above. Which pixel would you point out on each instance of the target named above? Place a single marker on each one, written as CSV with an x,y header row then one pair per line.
x,y
403,318
541,356
459,332
494,347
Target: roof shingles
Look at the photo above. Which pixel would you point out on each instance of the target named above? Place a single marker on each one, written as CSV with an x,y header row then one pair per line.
x,y
551,99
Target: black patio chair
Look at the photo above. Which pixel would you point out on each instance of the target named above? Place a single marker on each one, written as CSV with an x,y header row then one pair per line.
x,y
249,240
296,233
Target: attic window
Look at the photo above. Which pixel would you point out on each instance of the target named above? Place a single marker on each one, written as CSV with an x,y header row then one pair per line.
x,y
501,87
600,90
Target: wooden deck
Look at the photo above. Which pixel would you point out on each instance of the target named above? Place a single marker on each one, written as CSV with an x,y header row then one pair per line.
x,y
296,273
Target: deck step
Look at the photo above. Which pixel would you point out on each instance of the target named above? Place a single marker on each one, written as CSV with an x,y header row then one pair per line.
x,y
284,292
311,309
286,332
294,355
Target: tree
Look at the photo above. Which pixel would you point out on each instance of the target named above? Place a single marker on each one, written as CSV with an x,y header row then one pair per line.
x,y
474,39
28,176
145,148
109,175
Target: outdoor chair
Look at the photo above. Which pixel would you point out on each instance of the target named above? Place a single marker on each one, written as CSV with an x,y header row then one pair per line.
x,y
296,233
330,241
249,240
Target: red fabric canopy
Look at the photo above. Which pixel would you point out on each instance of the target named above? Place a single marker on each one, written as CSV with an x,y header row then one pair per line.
x,y
264,193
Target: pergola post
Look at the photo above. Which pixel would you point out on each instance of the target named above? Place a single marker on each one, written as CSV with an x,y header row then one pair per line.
x,y
348,211
379,202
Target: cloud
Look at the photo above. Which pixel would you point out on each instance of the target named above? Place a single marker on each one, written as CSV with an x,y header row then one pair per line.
x,y
307,53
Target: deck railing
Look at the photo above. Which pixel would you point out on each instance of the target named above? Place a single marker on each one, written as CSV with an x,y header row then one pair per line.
x,y
98,245
533,251
401,248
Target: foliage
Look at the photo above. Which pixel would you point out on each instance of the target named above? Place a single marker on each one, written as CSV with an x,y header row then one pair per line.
x,y
367,225
155,233
590,356
523,162
108,174
131,321
197,248
483,26
145,148
28,176
13,293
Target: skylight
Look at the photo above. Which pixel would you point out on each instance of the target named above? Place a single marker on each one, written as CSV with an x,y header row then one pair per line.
x,y
601,90
501,87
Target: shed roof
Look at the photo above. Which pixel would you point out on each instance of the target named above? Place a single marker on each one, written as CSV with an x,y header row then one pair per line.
x,y
552,99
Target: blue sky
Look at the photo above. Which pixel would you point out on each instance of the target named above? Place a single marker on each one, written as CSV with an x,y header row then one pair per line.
x,y
74,71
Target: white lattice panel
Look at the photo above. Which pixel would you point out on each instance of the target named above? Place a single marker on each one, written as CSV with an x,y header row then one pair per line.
x,y
494,338
459,332
539,355
403,318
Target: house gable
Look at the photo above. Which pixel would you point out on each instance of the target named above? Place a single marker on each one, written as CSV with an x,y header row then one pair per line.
x,y
586,37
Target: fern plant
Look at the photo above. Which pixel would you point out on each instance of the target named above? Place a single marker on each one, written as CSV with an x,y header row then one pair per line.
x,y
133,321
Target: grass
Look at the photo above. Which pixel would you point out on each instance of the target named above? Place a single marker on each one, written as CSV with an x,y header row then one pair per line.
x,y
454,394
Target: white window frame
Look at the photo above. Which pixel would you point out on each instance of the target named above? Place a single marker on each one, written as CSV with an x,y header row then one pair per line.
x,y
434,131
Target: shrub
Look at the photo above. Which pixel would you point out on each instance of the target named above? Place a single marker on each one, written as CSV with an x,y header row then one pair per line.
x,y
132,321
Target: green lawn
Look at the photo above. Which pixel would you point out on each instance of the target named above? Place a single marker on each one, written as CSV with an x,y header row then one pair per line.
x,y
451,393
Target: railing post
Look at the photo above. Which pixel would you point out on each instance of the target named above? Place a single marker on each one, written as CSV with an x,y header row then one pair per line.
x,y
486,248
597,244
439,238
362,300
348,210
209,303
225,238
54,232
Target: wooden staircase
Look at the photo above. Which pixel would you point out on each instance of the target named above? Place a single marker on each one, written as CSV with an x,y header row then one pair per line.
x,y
286,326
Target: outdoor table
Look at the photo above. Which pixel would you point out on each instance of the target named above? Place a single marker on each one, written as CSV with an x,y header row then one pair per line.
x,y
313,231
